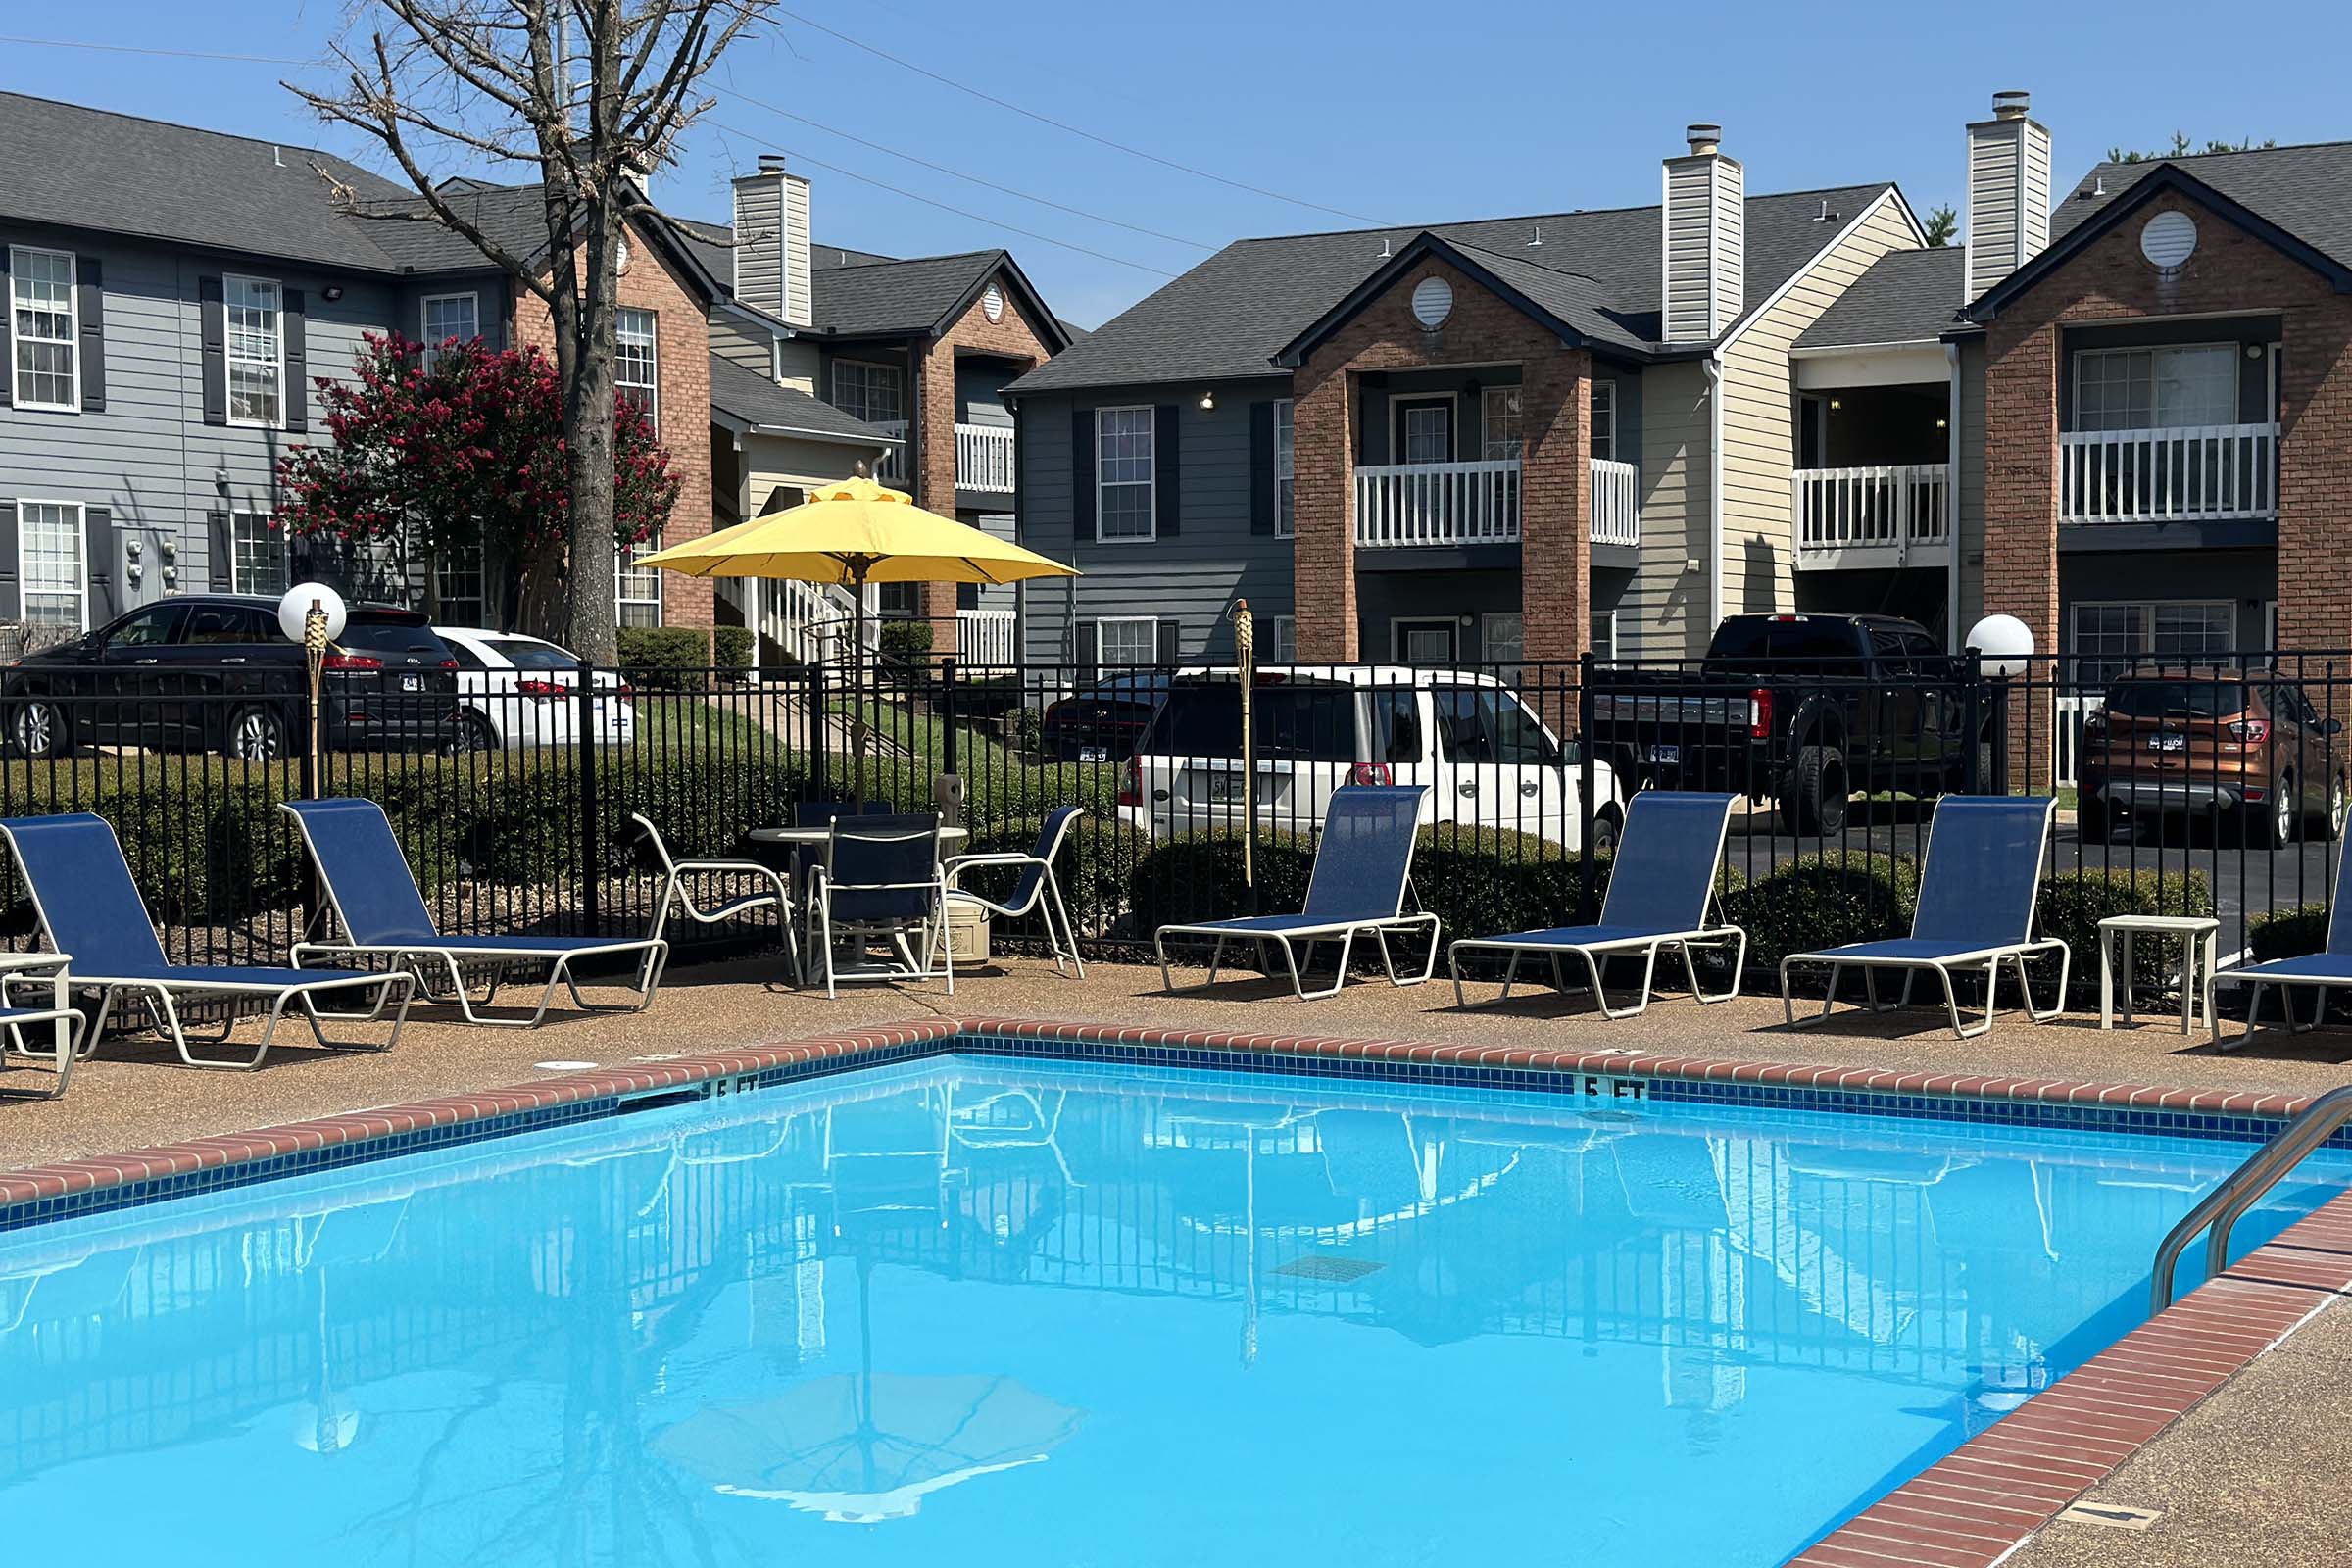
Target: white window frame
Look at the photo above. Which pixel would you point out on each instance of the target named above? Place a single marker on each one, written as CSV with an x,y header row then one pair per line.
x,y
1286,468
898,378
2148,608
228,348
2152,350
1149,482
236,575
1486,654
1488,443
1279,629
622,598
1400,625
1103,665
81,556
1402,403
466,566
424,320
653,388
1604,392
16,385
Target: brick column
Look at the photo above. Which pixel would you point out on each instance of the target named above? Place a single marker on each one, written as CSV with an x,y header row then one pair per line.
x,y
2021,502
1323,509
935,480
2315,474
1556,504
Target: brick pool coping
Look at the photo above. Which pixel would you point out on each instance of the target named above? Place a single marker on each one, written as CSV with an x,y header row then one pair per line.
x,y
1969,1509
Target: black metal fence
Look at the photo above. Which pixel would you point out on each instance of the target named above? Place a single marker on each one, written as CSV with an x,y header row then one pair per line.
x,y
2185,788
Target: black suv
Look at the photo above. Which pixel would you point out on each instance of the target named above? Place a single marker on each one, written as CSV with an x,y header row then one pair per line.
x,y
213,672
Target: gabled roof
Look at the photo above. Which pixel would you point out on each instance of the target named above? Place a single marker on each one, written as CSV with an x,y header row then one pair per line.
x,y
1568,303
2305,190
1905,297
2265,185
1228,317
754,402
860,294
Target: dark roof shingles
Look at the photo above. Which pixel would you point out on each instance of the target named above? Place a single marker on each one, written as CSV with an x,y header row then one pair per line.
x,y
1904,297
755,400
2301,189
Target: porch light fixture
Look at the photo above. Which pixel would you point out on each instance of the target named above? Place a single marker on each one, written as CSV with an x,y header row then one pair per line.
x,y
333,292
1943,424
1835,404
1208,402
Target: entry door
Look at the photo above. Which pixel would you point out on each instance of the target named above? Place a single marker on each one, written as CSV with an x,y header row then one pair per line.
x,y
1424,430
1426,641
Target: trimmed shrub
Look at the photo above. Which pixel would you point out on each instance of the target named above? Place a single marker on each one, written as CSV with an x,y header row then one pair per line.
x,y
1024,728
1824,899
907,639
731,647
2288,933
2073,902
674,658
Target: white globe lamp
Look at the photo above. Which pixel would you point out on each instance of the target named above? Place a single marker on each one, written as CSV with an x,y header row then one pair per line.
x,y
294,608
2003,644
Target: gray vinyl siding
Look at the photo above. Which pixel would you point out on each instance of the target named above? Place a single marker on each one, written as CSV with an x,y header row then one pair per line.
x,y
738,342
148,456
980,396
798,299
759,266
1190,579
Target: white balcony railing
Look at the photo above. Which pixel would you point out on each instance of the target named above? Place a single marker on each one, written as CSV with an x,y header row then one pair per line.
x,y
2192,473
1889,507
892,467
1404,503
985,636
1616,508
984,459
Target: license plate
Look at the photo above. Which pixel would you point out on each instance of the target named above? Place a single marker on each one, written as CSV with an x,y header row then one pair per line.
x,y
412,683
1665,753
1226,789
1094,754
2168,742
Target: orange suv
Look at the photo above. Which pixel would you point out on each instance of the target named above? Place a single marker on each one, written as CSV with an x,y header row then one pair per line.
x,y
2196,741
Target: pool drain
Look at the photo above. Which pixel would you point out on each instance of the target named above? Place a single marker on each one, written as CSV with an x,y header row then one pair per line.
x,y
1330,1270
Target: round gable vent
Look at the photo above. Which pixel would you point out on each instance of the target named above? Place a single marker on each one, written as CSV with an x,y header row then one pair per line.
x,y
992,303
2169,240
1433,302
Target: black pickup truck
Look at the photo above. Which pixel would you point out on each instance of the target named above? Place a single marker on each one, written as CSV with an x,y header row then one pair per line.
x,y
1802,709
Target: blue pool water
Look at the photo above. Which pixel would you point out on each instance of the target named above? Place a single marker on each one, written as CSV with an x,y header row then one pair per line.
x,y
992,1311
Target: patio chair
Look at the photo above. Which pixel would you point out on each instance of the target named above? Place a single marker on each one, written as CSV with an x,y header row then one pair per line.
x,y
681,878
1035,889
64,1021
1660,891
1975,912
89,907
382,915
881,880
1363,868
2317,971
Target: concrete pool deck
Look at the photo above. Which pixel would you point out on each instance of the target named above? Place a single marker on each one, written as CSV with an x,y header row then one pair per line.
x,y
2252,1474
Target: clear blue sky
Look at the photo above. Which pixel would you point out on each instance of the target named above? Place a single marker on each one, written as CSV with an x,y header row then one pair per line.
x,y
1407,111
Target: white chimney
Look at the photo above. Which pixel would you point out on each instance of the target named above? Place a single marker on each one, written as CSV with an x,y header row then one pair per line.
x,y
2008,191
771,241
1705,238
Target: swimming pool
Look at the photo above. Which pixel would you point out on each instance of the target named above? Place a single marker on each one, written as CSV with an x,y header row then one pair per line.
x,y
1008,1309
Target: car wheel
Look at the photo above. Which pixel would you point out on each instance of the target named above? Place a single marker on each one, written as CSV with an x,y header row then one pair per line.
x,y
38,729
2272,824
255,735
2333,823
470,733
1606,830
1815,802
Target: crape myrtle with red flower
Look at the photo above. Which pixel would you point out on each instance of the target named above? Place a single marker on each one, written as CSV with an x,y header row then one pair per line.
x,y
465,453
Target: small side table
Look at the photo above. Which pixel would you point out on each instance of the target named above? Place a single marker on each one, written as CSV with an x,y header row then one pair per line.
x,y
2199,936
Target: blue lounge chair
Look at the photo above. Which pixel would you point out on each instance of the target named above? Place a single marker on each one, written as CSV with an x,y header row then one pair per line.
x,y
382,915
89,907
881,880
2317,971
1363,868
1975,911
1660,891
1035,888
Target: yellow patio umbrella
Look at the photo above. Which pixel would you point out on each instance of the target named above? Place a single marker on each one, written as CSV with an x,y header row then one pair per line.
x,y
851,533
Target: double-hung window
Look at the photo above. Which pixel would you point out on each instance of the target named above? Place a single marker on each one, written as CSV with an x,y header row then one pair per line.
x,y
1285,468
1279,643
1604,422
637,590
2156,388
1499,436
256,349
874,393
51,564
1124,480
41,303
257,557
450,317
458,586
636,363
1126,642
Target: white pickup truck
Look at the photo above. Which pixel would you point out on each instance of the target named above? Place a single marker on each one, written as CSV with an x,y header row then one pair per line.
x,y
1488,759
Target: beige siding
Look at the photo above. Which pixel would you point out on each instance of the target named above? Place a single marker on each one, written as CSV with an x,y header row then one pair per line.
x,y
797,282
1760,444
1705,222
774,460
738,342
1663,614
759,250
798,365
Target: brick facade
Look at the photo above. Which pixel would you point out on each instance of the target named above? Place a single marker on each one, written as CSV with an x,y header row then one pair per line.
x,y
1009,336
682,360
1556,473
2230,272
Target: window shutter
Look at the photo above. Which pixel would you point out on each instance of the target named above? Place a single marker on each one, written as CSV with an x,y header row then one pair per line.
x,y
1082,476
89,302
11,599
212,314
298,360
1088,652
1171,639
1262,505
1166,469
220,575
98,549
7,389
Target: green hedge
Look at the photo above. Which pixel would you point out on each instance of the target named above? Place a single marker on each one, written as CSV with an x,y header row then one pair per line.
x,y
1824,901
2073,902
1094,870
2288,933
673,659
905,638
731,647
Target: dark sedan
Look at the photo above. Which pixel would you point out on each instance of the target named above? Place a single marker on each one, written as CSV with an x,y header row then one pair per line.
x,y
1102,722
213,672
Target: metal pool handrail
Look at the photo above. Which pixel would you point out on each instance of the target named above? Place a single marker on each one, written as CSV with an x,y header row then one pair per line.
x,y
2244,1187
